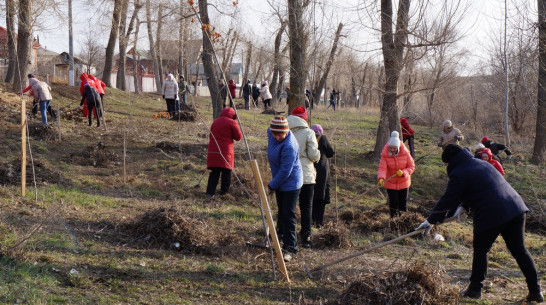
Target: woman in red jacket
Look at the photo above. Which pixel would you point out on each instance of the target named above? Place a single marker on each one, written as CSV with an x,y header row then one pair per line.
x,y
487,155
407,134
220,157
395,168
232,87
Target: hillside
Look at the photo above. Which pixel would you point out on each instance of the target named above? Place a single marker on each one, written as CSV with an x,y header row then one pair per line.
x,y
100,225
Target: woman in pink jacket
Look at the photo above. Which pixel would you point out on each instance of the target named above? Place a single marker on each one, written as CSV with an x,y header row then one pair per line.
x,y
395,168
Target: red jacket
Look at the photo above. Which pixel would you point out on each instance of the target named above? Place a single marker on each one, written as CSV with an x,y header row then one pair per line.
x,y
390,164
99,85
407,131
225,130
232,87
495,163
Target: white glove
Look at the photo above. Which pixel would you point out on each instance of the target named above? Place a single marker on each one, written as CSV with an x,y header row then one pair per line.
x,y
460,213
425,225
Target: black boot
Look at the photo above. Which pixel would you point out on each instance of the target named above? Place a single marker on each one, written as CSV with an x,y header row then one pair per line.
x,y
535,297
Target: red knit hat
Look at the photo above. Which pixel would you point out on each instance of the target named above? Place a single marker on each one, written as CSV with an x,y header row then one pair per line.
x,y
484,139
300,112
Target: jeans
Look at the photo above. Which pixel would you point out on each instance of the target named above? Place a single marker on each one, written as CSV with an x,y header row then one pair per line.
x,y
214,176
43,110
398,200
182,97
513,234
306,202
286,219
177,106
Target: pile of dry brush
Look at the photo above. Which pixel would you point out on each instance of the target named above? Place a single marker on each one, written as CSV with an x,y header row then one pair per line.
x,y
331,236
10,173
164,227
379,220
418,284
95,155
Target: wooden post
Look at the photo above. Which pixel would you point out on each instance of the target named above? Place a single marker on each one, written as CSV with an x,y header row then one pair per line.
x,y
59,121
269,219
335,185
23,148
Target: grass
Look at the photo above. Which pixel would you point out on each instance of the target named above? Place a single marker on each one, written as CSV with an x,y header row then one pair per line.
x,y
95,204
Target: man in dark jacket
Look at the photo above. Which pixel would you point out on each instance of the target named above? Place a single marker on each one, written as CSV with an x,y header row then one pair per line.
x,y
498,210
247,90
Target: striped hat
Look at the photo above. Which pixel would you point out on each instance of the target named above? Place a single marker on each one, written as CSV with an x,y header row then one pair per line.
x,y
279,124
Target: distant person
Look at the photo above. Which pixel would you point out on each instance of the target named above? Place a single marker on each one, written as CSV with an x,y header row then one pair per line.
x,y
232,91
170,93
36,101
309,154
92,97
449,135
321,194
182,89
220,154
498,210
408,134
255,94
41,92
247,91
223,92
286,181
488,156
478,150
333,99
265,94
496,148
394,173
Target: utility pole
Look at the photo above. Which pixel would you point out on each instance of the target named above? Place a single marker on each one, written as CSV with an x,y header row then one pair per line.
x,y
70,46
506,130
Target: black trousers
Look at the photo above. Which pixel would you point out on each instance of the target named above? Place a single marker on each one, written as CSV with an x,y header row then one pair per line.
x,y
411,146
267,103
398,201
90,106
286,219
214,176
319,206
171,106
306,202
513,233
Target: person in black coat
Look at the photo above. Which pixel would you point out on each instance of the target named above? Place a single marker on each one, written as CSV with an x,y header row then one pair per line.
x,y
321,195
93,100
496,148
498,210
247,90
255,94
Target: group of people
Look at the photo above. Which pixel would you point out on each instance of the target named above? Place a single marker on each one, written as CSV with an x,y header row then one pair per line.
x,y
174,92
474,186
257,93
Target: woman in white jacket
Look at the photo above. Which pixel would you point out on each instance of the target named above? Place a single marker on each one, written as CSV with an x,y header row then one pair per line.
x,y
170,93
265,95
309,154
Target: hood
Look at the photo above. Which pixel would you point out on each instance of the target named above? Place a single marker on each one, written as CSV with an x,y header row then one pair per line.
x,y
403,120
231,82
83,76
229,112
296,122
487,151
91,77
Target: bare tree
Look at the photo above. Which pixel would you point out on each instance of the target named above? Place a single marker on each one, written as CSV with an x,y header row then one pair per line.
x,y
114,29
10,27
90,50
24,44
298,49
158,57
277,62
208,62
539,148
124,33
152,46
246,71
136,57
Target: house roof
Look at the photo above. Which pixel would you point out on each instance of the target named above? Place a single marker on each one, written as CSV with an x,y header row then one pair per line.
x,y
46,53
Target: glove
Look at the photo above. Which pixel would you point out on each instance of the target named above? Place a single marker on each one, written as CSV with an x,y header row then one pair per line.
x,y
460,213
399,173
425,225
381,182
439,144
457,138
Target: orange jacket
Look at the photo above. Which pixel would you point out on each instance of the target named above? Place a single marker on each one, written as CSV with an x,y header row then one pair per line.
x,y
390,164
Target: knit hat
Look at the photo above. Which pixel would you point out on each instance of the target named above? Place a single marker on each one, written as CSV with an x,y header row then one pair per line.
x,y
447,123
479,146
300,112
30,75
450,152
394,140
279,124
317,128
484,139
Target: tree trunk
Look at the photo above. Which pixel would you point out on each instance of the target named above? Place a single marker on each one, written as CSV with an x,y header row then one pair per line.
x,y
276,63
363,92
181,39
539,148
322,81
392,45
136,69
122,46
10,27
208,62
298,46
108,57
158,44
247,66
24,44
152,46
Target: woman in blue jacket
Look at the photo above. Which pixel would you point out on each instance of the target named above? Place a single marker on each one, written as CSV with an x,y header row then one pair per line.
x,y
498,210
286,181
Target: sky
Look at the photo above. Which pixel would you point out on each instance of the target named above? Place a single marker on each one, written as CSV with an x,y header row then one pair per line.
x,y
483,20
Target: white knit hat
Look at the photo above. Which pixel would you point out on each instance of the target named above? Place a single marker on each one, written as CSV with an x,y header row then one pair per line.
x,y
479,146
447,123
395,139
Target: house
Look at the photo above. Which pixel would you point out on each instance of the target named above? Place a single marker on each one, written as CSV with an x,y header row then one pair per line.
x,y
57,66
199,79
4,50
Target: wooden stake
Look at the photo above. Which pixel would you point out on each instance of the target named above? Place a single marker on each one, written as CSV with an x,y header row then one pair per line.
x,y
269,219
59,121
23,148
335,185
